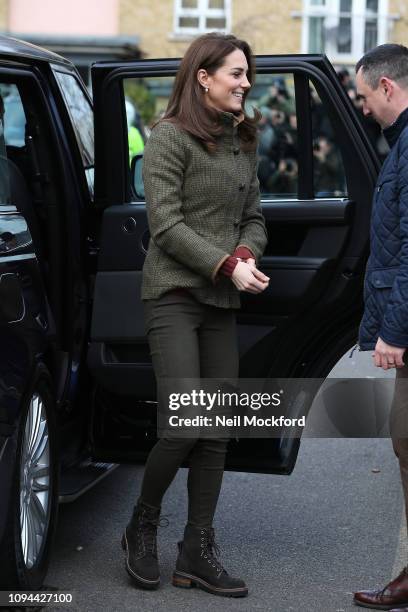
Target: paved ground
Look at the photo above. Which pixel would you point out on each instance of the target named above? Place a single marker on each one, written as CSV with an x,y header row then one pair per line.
x,y
309,539
302,543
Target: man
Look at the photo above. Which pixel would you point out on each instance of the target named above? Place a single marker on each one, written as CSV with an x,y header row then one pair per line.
x,y
382,84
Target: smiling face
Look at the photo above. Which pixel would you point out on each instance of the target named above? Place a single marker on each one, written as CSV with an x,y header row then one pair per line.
x,y
228,84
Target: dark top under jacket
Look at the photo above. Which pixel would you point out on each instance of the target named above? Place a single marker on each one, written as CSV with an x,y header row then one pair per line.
x,y
200,207
386,279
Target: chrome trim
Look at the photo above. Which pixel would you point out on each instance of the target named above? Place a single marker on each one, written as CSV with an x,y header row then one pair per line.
x,y
4,258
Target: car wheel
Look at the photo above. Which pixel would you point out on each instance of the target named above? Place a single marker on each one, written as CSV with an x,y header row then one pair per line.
x,y
33,503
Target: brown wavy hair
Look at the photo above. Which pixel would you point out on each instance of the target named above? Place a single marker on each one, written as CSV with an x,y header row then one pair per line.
x,y
187,107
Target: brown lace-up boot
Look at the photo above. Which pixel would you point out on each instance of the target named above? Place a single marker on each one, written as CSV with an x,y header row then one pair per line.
x,y
197,565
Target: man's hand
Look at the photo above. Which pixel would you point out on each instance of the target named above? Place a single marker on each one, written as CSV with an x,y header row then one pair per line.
x,y
387,356
247,277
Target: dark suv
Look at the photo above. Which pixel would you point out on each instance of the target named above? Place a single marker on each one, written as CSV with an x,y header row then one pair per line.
x,y
77,388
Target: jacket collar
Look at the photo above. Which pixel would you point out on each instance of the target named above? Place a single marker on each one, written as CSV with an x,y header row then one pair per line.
x,y
238,118
231,119
393,131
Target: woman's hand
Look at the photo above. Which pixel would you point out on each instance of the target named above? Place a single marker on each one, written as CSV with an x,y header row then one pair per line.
x,y
247,277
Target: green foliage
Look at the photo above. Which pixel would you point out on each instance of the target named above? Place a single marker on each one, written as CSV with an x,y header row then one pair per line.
x,y
141,97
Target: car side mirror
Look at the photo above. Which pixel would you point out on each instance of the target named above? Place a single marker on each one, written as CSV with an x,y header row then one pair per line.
x,y
136,168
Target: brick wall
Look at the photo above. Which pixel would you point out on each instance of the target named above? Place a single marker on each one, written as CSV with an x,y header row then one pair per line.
x,y
398,30
4,10
268,26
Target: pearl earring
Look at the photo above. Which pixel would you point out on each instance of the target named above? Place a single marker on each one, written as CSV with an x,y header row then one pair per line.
x,y
206,89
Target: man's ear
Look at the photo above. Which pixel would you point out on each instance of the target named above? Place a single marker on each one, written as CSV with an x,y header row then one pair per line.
x,y
387,86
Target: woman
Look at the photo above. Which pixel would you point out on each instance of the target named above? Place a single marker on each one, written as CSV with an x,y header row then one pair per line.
x,y
207,233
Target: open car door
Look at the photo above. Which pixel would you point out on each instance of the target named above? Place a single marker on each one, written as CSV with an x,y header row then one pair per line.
x,y
317,171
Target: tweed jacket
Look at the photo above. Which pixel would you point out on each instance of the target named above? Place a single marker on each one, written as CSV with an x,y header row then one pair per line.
x,y
200,207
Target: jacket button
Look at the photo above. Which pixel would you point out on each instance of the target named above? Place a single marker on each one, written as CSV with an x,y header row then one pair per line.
x,y
377,282
241,186
236,150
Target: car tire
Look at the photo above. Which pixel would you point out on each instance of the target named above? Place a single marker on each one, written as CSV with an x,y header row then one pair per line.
x,y
33,503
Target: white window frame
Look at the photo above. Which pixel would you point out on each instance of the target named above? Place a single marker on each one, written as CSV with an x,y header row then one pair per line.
x,y
202,12
331,12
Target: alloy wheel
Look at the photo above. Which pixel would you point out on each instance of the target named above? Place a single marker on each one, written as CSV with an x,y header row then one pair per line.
x,y
34,481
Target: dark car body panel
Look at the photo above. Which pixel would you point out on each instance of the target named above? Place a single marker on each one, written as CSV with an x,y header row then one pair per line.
x,y
35,319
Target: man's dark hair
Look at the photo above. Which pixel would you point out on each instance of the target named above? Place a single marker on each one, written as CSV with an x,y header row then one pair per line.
x,y
388,60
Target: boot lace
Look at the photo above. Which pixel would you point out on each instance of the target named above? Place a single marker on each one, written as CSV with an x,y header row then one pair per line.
x,y
148,531
211,550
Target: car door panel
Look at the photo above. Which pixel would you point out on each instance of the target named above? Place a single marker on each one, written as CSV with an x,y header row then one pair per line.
x,y
296,282
315,260
23,313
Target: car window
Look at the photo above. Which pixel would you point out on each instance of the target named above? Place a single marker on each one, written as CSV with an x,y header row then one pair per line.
x,y
146,101
273,95
278,148
81,114
5,197
14,116
12,135
329,177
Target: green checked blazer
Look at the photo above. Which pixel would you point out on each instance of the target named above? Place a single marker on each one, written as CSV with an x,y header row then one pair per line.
x,y
200,207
